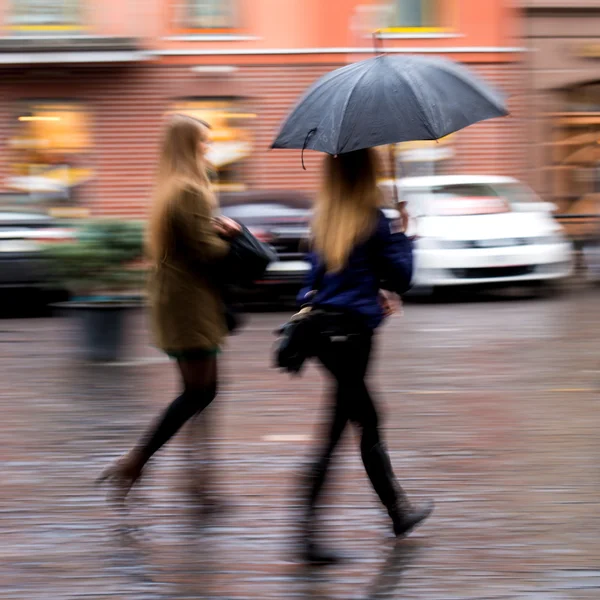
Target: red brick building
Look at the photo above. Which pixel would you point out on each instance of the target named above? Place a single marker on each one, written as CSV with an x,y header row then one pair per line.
x,y
564,79
84,85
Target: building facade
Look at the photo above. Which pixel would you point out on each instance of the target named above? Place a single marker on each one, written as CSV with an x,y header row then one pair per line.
x,y
563,64
85,85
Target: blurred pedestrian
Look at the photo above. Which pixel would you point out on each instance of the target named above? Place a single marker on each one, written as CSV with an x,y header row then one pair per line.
x,y
185,242
357,251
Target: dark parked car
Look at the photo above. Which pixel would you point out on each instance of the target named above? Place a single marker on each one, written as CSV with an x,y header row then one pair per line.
x,y
21,236
282,220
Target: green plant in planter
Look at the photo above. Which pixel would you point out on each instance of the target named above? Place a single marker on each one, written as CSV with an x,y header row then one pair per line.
x,y
103,261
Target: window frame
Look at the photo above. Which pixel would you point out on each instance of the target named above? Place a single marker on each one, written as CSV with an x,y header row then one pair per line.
x,y
235,108
176,27
451,18
24,21
29,105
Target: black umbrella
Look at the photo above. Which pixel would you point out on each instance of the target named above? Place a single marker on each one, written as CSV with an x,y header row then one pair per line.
x,y
387,100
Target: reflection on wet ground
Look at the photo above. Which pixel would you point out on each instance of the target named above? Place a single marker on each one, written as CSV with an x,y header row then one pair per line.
x,y
491,408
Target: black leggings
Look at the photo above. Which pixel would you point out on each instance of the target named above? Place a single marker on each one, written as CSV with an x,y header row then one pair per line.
x,y
199,378
347,361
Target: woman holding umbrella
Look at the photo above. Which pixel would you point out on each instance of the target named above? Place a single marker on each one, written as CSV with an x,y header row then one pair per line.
x,y
357,251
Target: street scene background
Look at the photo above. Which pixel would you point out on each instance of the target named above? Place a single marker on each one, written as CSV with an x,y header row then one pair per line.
x,y
488,382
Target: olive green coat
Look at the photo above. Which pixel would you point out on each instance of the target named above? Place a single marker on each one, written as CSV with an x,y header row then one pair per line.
x,y
187,309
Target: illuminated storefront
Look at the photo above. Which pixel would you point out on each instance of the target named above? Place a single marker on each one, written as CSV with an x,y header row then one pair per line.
x,y
565,94
49,151
231,140
574,147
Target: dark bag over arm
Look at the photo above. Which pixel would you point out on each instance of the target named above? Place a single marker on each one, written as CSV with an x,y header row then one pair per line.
x,y
246,261
297,338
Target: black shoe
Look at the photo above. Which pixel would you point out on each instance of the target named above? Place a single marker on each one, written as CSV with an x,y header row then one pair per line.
x,y
404,515
409,517
319,557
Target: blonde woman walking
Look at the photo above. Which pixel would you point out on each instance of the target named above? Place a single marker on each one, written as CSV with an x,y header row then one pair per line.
x,y
357,251
186,244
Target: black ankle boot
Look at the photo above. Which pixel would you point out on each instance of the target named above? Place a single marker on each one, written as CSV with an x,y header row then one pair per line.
x,y
316,555
310,550
405,517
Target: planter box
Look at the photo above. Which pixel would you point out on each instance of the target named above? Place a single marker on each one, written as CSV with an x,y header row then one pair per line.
x,y
101,326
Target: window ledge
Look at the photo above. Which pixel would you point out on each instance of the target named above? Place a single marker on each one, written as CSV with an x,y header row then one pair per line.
x,y
211,37
419,36
64,43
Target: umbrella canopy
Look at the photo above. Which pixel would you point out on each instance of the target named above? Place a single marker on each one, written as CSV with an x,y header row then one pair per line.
x,y
387,100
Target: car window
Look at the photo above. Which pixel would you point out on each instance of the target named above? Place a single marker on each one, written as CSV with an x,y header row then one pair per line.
x,y
13,220
516,193
20,216
467,199
266,211
468,190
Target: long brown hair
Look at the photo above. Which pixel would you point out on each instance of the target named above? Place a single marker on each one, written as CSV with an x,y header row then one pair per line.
x,y
346,205
179,168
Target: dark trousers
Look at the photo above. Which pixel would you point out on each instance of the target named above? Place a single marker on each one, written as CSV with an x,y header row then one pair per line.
x,y
347,362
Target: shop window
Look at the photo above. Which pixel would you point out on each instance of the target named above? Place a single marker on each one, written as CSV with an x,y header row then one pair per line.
x,y
571,157
231,138
207,14
49,151
418,14
585,98
32,15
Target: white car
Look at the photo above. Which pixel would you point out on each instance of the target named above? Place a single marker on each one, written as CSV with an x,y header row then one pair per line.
x,y
485,231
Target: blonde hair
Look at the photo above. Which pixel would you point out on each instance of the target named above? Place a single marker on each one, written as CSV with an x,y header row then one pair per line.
x,y
179,168
346,205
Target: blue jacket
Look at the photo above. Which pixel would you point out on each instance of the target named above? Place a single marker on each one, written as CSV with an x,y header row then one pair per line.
x,y
384,261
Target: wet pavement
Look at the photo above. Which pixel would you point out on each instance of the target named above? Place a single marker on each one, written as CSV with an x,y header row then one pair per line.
x,y
491,408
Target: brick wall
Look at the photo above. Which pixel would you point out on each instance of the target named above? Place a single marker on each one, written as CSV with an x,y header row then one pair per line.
x,y
127,104
498,146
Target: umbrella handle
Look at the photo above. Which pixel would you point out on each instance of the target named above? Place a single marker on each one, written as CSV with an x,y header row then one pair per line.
x,y
393,165
308,136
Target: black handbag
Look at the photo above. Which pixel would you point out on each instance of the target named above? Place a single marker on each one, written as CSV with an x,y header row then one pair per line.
x,y
298,338
247,260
